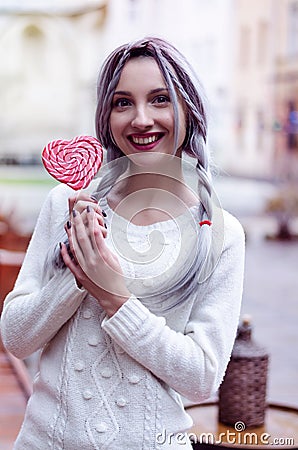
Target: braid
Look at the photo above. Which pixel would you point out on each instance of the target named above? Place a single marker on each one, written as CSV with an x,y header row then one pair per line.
x,y
204,188
196,142
197,114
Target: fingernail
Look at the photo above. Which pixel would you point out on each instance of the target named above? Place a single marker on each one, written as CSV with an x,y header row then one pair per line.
x,y
93,198
60,245
105,225
74,213
68,224
88,209
104,213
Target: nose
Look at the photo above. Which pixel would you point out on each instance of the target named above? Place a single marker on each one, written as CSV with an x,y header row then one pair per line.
x,y
142,118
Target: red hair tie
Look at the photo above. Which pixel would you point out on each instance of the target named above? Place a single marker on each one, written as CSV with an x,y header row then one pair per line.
x,y
205,222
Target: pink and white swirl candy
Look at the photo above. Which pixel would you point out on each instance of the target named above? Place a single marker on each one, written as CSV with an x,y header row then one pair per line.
x,y
73,162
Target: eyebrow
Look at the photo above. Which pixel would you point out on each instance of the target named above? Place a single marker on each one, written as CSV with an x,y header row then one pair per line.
x,y
153,91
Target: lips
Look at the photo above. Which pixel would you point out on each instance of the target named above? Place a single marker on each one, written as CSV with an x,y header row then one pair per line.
x,y
145,141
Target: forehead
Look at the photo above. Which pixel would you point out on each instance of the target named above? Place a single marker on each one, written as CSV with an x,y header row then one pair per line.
x,y
141,71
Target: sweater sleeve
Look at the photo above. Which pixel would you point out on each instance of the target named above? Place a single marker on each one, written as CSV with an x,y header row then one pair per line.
x,y
194,362
35,310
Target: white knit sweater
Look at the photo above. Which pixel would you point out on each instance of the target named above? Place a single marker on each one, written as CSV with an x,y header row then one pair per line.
x,y
114,383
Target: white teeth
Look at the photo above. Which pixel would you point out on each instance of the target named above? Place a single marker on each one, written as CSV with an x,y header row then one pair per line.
x,y
145,141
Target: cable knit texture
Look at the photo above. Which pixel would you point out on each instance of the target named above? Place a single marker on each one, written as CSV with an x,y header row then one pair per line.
x,y
115,383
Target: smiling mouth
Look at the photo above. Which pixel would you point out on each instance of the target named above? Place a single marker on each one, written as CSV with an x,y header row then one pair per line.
x,y
145,140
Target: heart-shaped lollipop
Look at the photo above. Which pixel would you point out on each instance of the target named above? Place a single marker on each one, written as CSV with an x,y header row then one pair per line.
x,y
73,162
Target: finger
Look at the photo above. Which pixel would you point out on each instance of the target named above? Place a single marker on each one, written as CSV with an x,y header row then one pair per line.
x,y
98,214
97,234
103,230
95,228
68,227
72,266
71,202
108,257
81,197
85,222
66,257
69,243
98,217
81,205
80,239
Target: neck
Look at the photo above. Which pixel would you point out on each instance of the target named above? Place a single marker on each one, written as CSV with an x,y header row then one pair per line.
x,y
164,173
152,193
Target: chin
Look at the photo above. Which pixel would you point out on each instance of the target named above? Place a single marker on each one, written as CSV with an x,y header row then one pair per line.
x,y
150,159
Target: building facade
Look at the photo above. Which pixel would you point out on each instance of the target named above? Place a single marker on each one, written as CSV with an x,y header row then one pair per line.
x,y
265,87
47,74
50,55
245,54
285,82
253,89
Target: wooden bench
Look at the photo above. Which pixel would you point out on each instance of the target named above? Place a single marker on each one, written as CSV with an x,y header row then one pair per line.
x,y
280,430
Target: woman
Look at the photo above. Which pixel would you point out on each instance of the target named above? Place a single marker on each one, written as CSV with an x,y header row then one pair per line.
x,y
140,304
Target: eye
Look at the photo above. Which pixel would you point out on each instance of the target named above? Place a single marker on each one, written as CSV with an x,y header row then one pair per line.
x,y
161,100
121,103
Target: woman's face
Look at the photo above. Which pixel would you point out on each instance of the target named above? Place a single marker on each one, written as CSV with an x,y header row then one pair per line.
x,y
142,116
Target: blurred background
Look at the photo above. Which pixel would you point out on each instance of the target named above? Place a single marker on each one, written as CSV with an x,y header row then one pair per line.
x,y
246,55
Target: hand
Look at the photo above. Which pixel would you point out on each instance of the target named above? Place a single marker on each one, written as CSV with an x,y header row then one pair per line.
x,y
95,267
80,203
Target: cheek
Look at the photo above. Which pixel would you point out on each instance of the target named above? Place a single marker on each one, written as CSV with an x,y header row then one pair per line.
x,y
167,120
115,126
